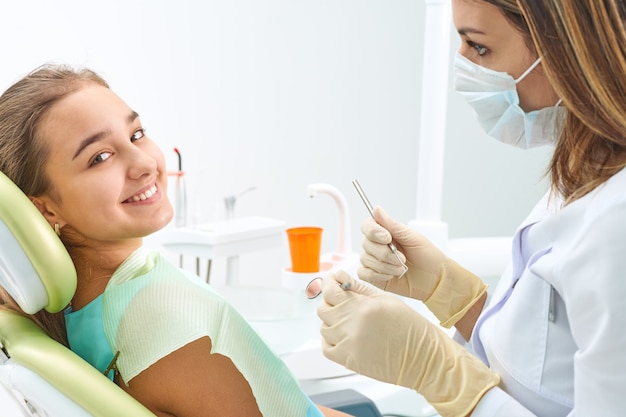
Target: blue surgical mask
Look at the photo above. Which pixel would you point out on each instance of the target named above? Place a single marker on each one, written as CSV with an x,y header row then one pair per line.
x,y
493,96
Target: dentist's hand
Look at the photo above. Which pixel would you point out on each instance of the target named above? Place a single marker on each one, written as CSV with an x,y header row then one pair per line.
x,y
446,288
376,334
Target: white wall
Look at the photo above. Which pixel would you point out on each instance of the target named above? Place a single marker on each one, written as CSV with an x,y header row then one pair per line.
x,y
278,94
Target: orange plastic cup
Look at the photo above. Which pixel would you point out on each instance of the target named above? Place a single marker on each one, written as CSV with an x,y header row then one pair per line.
x,y
305,245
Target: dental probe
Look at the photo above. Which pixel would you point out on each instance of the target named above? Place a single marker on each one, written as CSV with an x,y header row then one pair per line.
x,y
367,203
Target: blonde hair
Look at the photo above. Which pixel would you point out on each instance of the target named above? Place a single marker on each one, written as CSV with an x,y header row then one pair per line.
x,y
587,70
583,50
23,153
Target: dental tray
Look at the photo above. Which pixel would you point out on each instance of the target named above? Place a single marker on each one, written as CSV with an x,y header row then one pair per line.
x,y
240,229
224,238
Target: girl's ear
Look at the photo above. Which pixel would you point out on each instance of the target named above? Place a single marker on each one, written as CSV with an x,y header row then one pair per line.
x,y
45,207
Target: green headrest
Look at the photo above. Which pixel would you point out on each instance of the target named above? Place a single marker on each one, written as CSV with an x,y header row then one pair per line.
x,y
29,346
35,267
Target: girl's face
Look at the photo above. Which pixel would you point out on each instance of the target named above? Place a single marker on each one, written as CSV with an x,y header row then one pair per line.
x,y
108,178
490,40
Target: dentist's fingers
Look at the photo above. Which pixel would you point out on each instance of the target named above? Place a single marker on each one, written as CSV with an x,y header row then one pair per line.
x,y
333,287
334,309
375,232
379,263
337,299
376,270
395,229
381,252
373,277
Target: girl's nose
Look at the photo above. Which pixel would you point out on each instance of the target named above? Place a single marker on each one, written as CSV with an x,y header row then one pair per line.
x,y
140,163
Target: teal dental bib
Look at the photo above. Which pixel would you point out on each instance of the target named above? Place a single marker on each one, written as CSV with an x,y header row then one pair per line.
x,y
151,308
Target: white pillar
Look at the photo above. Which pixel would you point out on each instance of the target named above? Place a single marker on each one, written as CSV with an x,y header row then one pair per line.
x,y
433,122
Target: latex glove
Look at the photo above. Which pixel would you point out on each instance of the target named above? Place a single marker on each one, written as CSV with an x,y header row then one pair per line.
x,y
376,334
446,288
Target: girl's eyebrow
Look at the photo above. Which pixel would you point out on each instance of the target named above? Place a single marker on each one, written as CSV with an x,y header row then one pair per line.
x,y
88,141
468,30
98,136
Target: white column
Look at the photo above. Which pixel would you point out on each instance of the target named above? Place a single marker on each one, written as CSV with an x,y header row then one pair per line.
x,y
433,122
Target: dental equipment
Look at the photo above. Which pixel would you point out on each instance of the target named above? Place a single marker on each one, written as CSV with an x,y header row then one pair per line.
x,y
232,262
181,196
180,199
314,287
229,202
367,203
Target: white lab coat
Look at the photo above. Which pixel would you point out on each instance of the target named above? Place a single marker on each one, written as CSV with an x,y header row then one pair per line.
x,y
555,327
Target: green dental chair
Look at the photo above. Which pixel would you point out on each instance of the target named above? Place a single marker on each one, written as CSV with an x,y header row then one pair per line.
x,y
38,376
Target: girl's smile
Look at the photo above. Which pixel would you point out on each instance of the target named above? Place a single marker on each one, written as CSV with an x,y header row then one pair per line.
x,y
147,195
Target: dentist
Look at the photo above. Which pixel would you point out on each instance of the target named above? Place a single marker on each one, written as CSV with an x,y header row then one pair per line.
x,y
549,341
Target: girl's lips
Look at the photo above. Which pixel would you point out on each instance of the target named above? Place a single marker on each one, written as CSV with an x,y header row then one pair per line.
x,y
143,195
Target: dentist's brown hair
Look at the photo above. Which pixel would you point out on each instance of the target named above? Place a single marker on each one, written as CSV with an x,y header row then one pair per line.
x,y
582,45
584,48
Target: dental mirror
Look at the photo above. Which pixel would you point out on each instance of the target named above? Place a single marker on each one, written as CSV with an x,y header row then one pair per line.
x,y
313,288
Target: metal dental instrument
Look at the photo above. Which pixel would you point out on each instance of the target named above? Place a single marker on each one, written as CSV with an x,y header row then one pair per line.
x,y
314,287
367,203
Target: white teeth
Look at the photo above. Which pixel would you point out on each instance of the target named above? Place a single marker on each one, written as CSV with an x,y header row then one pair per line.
x,y
145,195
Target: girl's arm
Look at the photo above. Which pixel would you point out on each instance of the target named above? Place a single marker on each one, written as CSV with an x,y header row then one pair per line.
x,y
189,382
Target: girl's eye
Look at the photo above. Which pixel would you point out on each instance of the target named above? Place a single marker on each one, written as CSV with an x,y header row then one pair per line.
x,y
101,157
480,50
138,135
